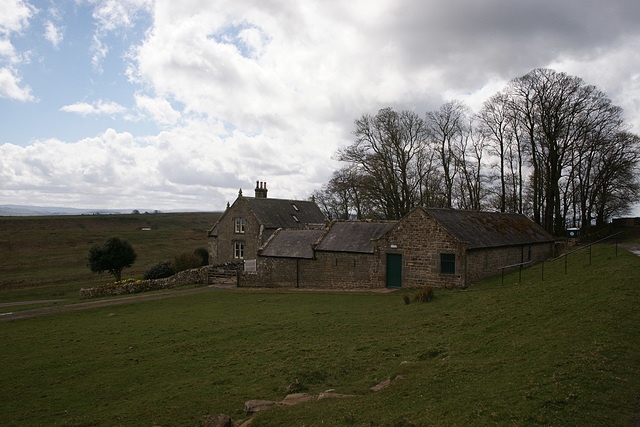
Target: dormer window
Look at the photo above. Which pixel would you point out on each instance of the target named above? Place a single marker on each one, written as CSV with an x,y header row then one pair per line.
x,y
239,224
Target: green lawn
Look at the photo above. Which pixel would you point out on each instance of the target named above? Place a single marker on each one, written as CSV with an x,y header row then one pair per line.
x,y
563,351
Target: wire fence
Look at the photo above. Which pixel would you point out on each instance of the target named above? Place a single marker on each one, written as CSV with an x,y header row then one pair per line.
x,y
564,256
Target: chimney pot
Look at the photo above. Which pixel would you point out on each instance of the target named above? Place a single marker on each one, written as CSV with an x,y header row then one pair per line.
x,y
261,190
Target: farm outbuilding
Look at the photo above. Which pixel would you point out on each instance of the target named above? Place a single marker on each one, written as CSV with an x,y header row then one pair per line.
x,y
454,248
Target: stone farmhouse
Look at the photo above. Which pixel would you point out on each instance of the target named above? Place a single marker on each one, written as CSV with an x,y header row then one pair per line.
x,y
435,247
247,224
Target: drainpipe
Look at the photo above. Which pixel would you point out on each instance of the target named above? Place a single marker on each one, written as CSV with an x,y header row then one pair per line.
x,y
297,272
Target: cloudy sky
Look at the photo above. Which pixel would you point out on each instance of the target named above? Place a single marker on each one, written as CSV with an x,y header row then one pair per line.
x,y
164,104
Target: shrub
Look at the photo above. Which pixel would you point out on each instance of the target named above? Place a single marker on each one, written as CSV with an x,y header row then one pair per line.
x,y
159,271
112,255
406,299
204,254
424,295
186,261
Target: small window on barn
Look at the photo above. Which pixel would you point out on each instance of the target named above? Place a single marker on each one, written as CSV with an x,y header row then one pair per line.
x,y
295,208
295,218
448,263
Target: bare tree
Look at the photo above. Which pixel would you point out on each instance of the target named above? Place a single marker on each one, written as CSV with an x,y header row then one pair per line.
x,y
446,127
616,185
471,167
390,150
559,146
569,126
498,122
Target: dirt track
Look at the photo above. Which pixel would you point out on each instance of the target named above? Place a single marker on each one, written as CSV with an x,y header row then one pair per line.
x,y
43,311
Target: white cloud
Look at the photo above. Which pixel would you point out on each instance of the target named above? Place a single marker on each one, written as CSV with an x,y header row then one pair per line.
x,y
159,108
100,50
621,82
112,16
269,90
14,15
7,51
97,108
14,18
10,86
115,14
53,34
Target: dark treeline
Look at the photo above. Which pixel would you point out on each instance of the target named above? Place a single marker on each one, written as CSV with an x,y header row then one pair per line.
x,y
548,145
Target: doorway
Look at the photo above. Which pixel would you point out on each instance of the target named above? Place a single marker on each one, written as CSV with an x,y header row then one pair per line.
x,y
394,270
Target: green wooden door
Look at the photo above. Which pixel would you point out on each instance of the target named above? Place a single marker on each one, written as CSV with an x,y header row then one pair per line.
x,y
394,270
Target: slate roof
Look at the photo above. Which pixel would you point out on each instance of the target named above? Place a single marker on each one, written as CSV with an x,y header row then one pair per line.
x,y
279,213
292,243
490,229
353,236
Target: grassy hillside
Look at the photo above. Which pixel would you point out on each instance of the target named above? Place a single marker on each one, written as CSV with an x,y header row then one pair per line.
x,y
45,257
563,351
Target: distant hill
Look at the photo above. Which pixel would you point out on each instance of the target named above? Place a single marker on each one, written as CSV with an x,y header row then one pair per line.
x,y
26,210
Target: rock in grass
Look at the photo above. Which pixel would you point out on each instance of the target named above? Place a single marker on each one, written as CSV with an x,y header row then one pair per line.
x,y
334,395
218,420
295,398
381,385
253,406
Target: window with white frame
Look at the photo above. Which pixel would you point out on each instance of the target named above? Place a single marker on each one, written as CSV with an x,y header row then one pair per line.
x,y
238,250
239,224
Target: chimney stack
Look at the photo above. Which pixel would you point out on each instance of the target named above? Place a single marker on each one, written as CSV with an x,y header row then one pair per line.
x,y
261,190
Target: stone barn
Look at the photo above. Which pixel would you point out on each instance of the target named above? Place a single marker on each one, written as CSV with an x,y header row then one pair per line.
x,y
454,248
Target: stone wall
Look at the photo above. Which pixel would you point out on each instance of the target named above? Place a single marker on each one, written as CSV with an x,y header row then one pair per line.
x,y
271,273
341,270
330,270
187,277
488,262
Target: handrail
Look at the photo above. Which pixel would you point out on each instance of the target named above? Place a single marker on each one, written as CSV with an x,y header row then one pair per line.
x,y
565,255
585,246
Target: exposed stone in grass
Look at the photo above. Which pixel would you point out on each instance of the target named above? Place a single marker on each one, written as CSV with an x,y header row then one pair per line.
x,y
253,406
295,398
218,420
381,385
334,395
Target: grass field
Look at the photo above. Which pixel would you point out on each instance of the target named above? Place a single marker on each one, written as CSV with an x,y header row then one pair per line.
x,y
46,257
563,351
